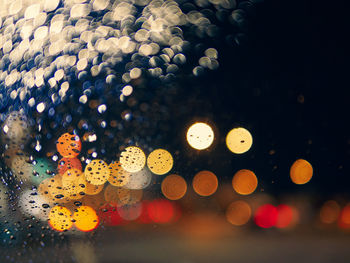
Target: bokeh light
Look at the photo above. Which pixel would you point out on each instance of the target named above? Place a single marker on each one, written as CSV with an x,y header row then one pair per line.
x,y
85,218
200,136
174,187
329,212
239,140
205,183
160,161
130,212
238,213
132,159
68,163
139,180
301,171
344,218
97,172
91,189
69,145
266,216
285,216
118,176
60,218
161,211
244,182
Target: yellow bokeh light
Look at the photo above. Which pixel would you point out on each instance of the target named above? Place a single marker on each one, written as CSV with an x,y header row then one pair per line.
x,y
132,159
52,189
174,187
91,189
200,136
330,212
301,172
111,194
73,184
118,177
97,172
244,182
239,140
238,213
205,183
160,161
129,196
85,218
60,218
71,175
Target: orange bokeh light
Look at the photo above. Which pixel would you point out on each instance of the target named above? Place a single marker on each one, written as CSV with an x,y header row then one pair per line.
x,y
174,187
69,145
329,212
205,183
301,171
244,182
85,218
344,218
68,163
60,218
238,213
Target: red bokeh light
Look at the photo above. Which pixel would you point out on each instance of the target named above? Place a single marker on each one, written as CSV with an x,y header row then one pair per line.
x,y
161,211
110,216
144,217
285,216
266,216
344,218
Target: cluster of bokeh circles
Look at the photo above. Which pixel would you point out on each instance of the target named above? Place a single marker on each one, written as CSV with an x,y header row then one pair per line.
x,y
48,47
82,192
75,196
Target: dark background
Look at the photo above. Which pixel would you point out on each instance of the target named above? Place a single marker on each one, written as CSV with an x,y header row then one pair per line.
x,y
286,82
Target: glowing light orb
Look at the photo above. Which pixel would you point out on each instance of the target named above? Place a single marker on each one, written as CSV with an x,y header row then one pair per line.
x,y
132,159
344,218
200,136
111,194
130,212
266,216
161,211
301,172
52,189
244,182
128,196
91,189
139,180
60,218
97,172
174,187
205,183
69,145
330,212
238,213
160,161
239,140
285,216
119,177
85,218
68,163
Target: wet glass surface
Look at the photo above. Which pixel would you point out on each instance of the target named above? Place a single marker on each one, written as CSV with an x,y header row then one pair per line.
x,y
170,131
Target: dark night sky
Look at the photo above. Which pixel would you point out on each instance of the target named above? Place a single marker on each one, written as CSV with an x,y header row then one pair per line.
x,y
293,49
